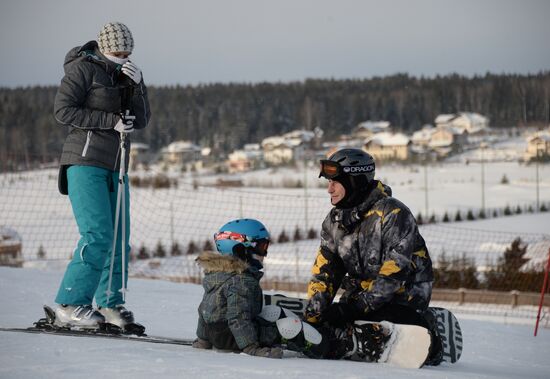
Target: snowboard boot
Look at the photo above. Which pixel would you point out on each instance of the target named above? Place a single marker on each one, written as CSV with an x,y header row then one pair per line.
x,y
435,357
369,341
80,316
118,315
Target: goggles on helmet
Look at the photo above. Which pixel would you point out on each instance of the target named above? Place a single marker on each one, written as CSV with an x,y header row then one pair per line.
x,y
260,246
331,169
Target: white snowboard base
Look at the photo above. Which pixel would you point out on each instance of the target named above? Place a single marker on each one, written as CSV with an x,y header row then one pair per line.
x,y
408,346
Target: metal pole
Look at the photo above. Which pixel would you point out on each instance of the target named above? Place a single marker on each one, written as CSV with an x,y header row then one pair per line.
x,y
305,196
482,178
542,292
240,206
537,178
172,223
426,187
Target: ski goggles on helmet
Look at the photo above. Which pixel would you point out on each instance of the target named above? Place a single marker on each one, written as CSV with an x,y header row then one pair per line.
x,y
260,246
331,169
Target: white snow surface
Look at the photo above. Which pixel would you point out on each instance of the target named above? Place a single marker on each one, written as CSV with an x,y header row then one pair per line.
x,y
491,349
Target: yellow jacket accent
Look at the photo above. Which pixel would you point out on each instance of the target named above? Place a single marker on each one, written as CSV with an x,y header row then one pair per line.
x,y
421,253
320,261
315,287
389,267
376,212
367,284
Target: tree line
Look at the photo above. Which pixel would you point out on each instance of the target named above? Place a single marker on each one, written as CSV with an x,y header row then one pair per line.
x,y
226,116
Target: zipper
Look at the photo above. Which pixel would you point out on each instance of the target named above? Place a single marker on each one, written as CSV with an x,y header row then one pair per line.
x,y
82,252
88,139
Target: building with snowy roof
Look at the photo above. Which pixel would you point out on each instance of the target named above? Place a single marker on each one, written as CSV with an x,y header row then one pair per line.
x,y
182,153
538,146
10,247
289,147
366,129
388,146
466,121
250,157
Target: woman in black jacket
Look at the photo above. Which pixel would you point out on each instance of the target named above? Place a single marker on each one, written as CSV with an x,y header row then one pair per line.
x,y
100,86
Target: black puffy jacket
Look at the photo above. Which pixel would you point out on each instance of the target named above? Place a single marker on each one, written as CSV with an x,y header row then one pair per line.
x,y
88,101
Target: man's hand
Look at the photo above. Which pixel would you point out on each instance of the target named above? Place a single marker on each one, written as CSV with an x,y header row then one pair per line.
x,y
125,124
132,71
266,352
339,314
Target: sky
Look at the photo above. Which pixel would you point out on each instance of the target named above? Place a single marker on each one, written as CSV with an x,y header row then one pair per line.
x,y
190,42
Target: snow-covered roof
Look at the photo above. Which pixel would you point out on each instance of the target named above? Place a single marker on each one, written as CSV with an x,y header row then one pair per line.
x,y
443,118
239,155
273,141
542,135
303,135
181,147
139,146
374,126
251,146
389,139
9,236
291,139
423,134
465,120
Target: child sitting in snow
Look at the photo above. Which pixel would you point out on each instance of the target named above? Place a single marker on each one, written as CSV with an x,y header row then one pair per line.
x,y
230,314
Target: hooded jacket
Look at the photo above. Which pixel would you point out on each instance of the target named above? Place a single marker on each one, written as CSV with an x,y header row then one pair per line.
x,y
88,101
373,251
232,300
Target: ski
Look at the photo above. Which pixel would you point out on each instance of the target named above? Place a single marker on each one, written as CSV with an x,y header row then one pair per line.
x,y
101,334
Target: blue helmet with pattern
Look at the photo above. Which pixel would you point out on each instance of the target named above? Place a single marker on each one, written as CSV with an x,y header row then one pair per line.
x,y
242,238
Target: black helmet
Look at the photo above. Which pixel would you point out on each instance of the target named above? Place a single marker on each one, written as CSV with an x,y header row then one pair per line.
x,y
354,169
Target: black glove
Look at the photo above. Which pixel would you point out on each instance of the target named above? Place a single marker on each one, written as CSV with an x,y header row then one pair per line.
x,y
266,352
340,314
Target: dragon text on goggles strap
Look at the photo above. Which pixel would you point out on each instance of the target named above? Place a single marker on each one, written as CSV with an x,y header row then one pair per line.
x,y
330,169
260,246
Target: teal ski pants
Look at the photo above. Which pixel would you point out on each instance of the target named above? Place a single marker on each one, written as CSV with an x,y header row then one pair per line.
x,y
93,196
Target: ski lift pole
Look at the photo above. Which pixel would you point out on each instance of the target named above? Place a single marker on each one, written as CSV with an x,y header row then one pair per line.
x,y
542,292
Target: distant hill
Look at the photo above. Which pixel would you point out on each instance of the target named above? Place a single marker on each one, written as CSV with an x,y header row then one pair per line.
x,y
226,116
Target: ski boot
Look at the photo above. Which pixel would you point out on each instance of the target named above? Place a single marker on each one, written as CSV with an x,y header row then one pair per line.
x,y
123,318
78,316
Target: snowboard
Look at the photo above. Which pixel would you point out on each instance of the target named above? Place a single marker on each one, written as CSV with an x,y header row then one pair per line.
x,y
404,346
446,323
449,331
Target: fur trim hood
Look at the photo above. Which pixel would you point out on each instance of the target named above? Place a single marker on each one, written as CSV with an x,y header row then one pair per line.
x,y
214,262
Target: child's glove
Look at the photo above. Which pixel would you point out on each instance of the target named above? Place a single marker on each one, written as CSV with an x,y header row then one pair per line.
x,y
266,352
199,343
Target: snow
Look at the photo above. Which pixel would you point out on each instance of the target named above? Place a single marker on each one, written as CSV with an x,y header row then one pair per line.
x,y
492,349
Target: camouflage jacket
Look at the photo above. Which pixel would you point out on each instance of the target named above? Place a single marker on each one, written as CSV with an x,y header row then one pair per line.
x,y
373,251
232,299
